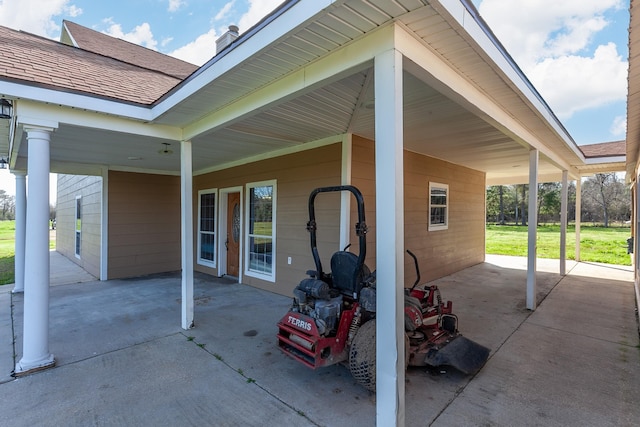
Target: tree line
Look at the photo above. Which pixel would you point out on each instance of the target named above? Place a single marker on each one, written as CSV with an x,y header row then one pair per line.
x,y
8,207
605,199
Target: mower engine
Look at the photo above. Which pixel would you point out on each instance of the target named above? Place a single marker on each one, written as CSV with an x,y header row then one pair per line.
x,y
312,297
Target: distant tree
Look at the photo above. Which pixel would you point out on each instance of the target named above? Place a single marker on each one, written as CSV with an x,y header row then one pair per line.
x,y
549,195
7,205
605,198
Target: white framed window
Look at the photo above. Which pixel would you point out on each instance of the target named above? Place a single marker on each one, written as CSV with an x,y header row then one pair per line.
x,y
207,223
261,225
78,225
438,206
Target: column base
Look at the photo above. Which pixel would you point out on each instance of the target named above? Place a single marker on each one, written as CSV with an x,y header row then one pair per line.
x,y
28,367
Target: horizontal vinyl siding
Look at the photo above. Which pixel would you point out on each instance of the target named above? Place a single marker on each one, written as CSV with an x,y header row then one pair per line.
x,y
442,252
144,224
296,175
90,189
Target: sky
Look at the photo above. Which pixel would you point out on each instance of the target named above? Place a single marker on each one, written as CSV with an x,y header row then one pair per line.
x,y
573,51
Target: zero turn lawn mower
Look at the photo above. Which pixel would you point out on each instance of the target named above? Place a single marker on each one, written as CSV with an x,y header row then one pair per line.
x,y
333,315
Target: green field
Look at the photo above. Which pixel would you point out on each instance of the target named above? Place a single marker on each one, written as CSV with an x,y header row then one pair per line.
x,y
7,245
7,251
597,244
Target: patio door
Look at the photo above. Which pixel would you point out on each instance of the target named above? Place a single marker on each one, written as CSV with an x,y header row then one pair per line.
x,y
233,234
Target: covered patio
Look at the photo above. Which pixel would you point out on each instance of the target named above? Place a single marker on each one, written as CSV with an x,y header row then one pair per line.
x,y
572,362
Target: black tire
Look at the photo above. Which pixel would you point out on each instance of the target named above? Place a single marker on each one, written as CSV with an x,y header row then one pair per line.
x,y
362,356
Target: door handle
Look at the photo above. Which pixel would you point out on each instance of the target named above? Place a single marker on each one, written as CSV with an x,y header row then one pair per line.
x,y
226,243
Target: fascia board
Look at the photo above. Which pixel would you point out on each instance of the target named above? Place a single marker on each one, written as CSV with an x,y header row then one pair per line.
x,y
603,160
21,91
286,22
71,116
459,12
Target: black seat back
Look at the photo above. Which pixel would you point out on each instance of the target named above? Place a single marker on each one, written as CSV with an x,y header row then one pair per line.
x,y
343,273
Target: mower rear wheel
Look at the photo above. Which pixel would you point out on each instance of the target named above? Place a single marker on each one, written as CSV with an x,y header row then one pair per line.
x,y
362,356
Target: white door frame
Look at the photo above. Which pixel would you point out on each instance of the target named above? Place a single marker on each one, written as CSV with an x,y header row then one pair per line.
x,y
222,231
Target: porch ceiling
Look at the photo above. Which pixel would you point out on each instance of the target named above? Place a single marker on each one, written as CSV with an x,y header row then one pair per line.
x,y
437,122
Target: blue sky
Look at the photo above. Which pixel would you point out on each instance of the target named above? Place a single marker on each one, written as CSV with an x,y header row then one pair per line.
x,y
573,51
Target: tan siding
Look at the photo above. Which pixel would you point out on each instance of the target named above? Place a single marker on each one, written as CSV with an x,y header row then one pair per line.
x,y
90,188
144,224
297,175
440,252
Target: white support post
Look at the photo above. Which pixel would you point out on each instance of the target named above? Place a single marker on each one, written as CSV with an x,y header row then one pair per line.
x,y
390,405
21,230
186,197
532,251
578,215
104,227
563,222
345,204
35,354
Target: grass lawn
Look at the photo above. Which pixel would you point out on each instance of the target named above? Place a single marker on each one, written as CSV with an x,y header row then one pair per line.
x,y
7,251
7,236
597,244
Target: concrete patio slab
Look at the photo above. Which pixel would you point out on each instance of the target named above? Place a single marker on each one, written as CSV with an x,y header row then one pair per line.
x,y
123,359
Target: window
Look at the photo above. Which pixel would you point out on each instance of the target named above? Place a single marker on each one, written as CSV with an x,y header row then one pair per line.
x,y
438,206
78,225
207,227
261,215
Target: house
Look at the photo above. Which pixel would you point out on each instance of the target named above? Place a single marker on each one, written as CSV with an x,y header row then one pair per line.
x,y
633,135
415,103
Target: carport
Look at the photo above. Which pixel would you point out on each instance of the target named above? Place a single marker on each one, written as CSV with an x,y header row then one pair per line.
x,y
307,74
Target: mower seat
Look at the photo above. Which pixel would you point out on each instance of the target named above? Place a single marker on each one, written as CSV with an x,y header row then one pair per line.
x,y
343,266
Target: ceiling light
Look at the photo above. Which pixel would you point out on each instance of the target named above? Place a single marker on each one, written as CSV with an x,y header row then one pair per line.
x,y
166,151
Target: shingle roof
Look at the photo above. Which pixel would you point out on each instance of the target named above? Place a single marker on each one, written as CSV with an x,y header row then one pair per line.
x,y
94,41
604,149
46,63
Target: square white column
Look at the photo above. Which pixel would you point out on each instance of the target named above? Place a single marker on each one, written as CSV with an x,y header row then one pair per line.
x,y
389,166
186,197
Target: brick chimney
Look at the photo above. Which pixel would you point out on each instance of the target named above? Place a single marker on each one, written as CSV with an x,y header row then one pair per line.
x,y
227,38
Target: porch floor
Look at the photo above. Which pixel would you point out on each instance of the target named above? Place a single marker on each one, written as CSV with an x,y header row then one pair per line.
x,y
122,358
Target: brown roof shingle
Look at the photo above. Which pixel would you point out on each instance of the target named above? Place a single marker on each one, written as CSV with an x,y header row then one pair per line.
x,y
47,63
604,149
94,41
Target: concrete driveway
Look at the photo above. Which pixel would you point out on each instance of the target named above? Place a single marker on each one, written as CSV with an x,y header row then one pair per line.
x,y
122,358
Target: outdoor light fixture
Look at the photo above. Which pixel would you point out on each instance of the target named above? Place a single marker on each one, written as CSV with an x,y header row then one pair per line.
x,y
3,163
166,151
5,109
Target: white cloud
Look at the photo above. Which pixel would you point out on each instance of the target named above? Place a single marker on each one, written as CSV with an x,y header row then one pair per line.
x,y
258,9
198,51
619,126
224,11
34,16
166,41
532,30
73,11
552,41
141,34
572,83
174,5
